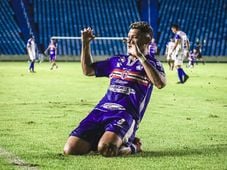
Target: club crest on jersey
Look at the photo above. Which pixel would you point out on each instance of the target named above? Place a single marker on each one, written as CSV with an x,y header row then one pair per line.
x,y
124,74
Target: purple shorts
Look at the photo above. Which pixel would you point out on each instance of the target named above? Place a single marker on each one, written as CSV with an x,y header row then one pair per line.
x,y
52,57
97,122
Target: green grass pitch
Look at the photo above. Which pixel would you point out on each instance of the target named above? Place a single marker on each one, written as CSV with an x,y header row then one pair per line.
x,y
184,127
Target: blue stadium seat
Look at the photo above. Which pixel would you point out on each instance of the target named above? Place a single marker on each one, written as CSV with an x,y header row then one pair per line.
x,y
199,19
10,41
105,17
203,20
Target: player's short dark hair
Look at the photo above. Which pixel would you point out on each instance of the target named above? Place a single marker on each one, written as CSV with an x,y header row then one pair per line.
x,y
31,36
144,27
175,26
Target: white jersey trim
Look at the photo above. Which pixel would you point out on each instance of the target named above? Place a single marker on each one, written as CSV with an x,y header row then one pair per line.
x,y
129,132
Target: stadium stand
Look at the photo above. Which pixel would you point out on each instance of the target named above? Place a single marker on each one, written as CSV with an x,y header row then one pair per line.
x,y
67,18
22,18
10,40
204,21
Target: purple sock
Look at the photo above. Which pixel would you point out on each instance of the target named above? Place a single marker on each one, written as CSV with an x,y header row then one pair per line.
x,y
183,73
180,74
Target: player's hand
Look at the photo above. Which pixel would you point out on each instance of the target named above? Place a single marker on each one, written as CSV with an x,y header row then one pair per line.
x,y
87,35
136,50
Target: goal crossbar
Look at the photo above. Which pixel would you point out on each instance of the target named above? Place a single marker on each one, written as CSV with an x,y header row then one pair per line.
x,y
78,38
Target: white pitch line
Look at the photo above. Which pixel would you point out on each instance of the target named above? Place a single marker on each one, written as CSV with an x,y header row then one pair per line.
x,y
16,161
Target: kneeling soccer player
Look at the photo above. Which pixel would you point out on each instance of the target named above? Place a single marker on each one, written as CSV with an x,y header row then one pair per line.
x,y
111,126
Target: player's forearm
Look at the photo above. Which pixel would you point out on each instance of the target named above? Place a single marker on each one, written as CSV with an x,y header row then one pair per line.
x,y
86,60
158,79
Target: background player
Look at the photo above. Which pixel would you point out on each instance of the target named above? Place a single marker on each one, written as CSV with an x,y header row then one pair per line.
x,y
153,47
111,126
198,53
53,53
191,59
181,45
31,49
169,55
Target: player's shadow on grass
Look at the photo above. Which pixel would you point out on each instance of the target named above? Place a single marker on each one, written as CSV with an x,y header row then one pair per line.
x,y
209,149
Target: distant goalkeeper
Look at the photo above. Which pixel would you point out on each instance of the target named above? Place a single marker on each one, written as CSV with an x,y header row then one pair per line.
x,y
110,128
52,48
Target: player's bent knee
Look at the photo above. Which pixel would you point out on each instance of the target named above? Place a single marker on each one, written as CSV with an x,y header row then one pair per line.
x,y
108,150
69,150
76,146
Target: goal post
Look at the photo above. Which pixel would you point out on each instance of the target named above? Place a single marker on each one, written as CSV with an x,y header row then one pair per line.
x,y
100,47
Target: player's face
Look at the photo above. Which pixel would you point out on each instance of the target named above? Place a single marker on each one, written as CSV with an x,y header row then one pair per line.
x,y
136,37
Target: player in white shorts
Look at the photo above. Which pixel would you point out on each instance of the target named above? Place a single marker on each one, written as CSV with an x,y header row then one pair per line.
x,y
31,48
181,45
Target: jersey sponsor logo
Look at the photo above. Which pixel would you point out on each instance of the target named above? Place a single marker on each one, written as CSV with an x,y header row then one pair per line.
x,y
121,81
113,106
121,89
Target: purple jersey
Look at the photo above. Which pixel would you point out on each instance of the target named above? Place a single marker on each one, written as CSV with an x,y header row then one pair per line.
x,y
52,52
52,49
129,89
124,104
